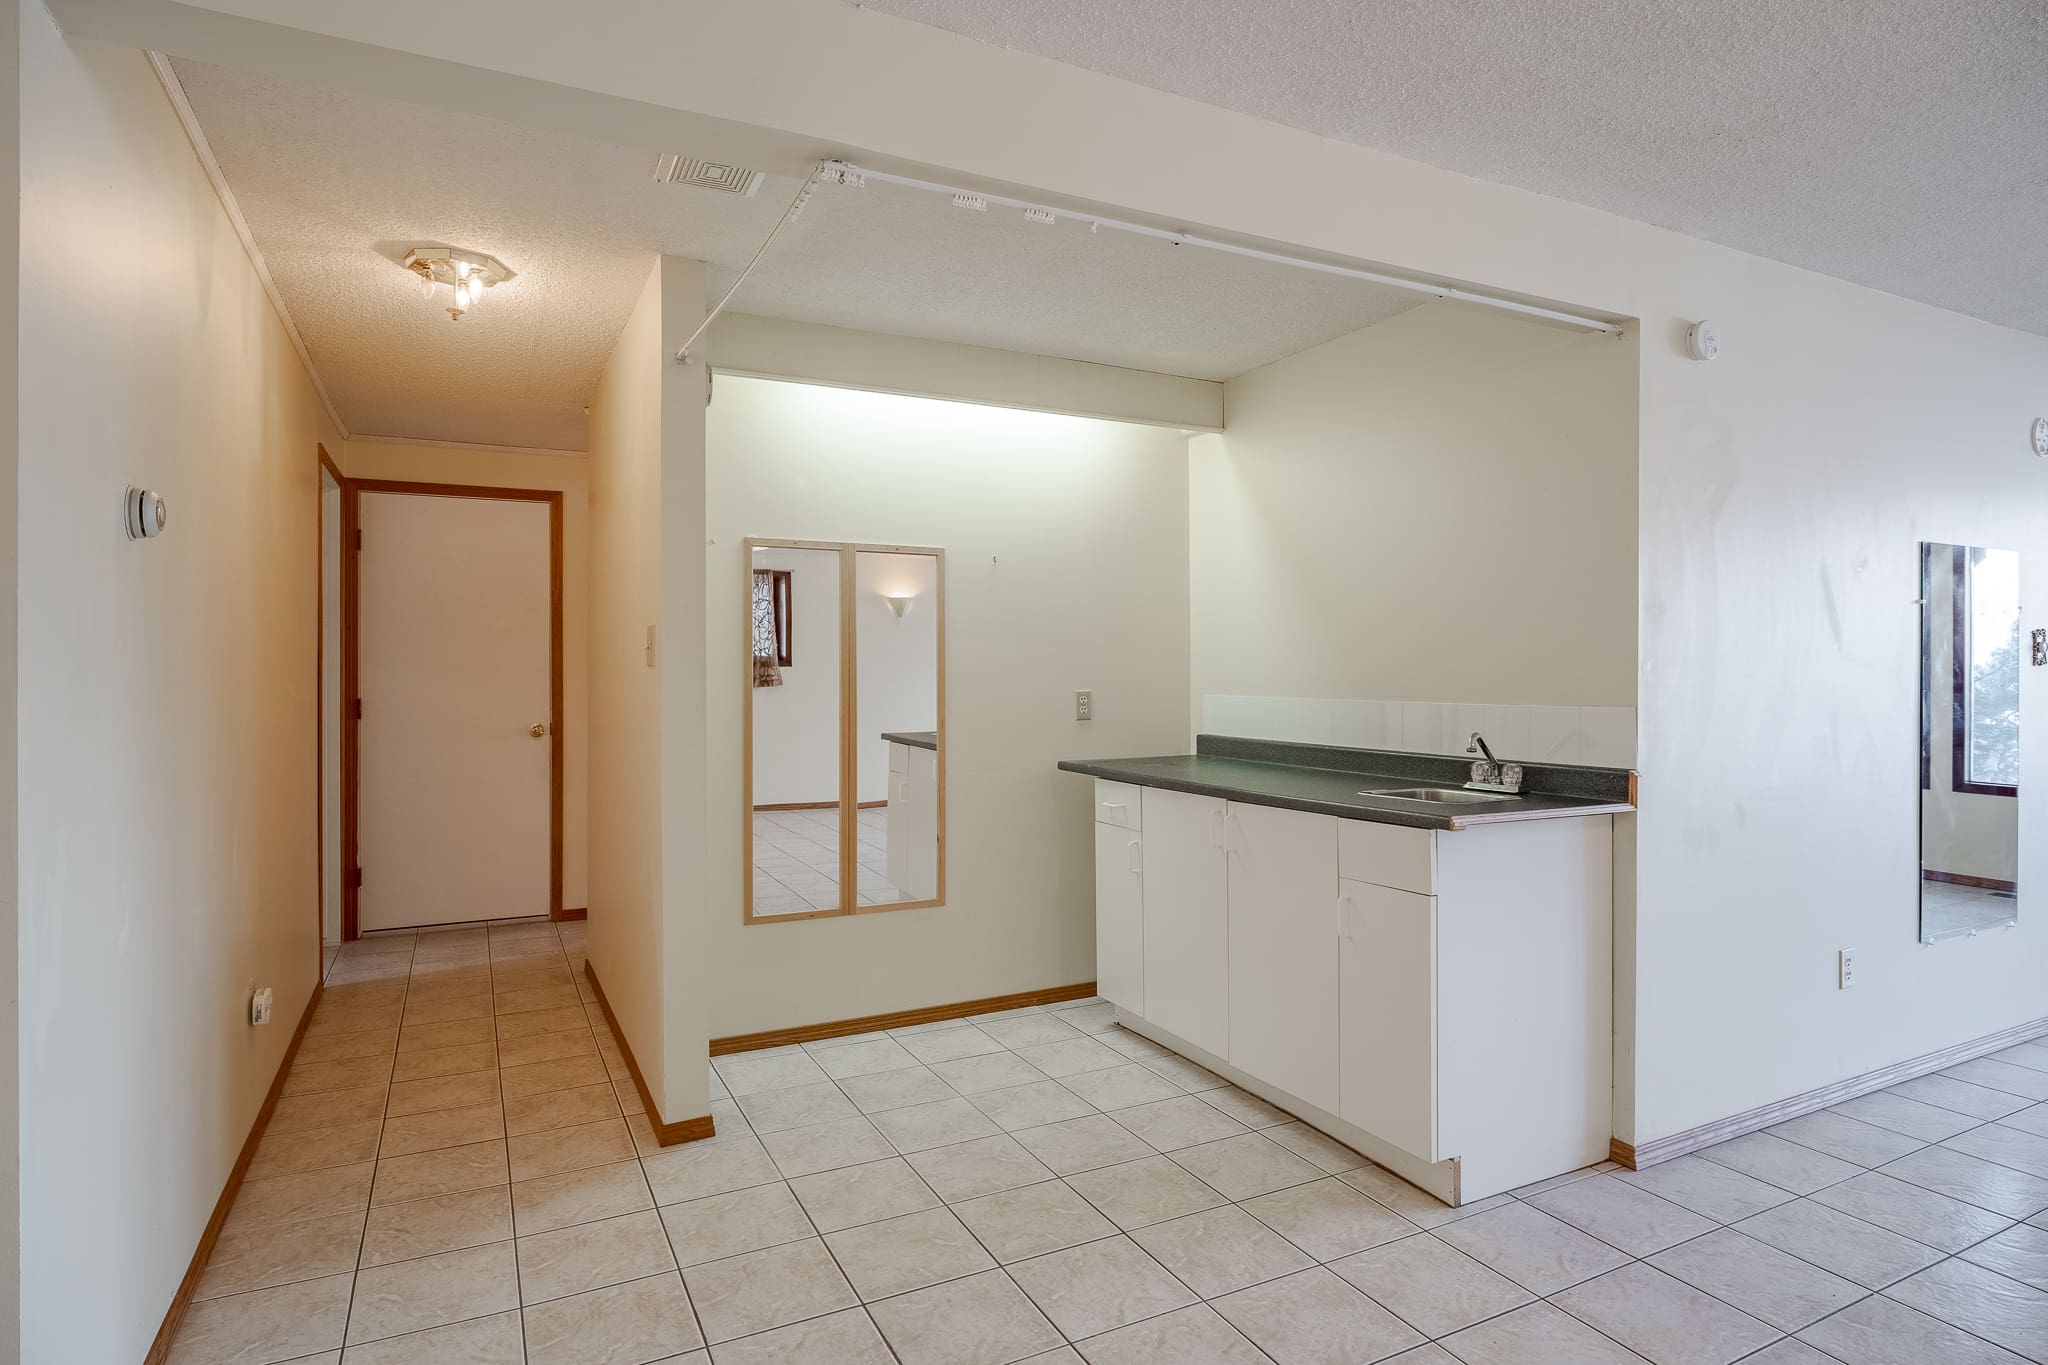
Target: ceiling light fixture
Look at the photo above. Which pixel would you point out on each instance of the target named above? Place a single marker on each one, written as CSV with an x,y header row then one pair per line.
x,y
466,275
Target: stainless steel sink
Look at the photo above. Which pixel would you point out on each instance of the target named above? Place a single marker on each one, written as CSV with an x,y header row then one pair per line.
x,y
1441,796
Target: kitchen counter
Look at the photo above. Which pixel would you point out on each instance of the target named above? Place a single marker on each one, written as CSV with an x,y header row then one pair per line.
x,y
1328,780
916,739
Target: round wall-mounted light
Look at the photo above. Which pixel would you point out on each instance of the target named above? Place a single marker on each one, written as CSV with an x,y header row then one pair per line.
x,y
465,274
2040,434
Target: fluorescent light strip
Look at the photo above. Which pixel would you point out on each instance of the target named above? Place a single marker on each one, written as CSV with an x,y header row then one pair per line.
x,y
845,172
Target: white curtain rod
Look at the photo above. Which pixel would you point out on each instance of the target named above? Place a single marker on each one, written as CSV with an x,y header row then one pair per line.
x,y
846,173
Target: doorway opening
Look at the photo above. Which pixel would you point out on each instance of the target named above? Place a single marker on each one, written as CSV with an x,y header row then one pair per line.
x,y
451,723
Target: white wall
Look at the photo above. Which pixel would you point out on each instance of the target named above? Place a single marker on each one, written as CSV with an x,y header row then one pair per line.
x,y
1438,509
168,836
796,725
504,467
1066,567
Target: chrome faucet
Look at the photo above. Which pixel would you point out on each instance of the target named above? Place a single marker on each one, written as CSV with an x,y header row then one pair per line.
x,y
1490,774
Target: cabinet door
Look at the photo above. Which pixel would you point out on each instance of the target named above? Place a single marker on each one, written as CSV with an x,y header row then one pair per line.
x,y
1187,986
1120,917
1283,939
1387,956
899,837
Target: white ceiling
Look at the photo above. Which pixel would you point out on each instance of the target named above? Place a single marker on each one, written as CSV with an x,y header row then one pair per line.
x,y
336,186
1901,144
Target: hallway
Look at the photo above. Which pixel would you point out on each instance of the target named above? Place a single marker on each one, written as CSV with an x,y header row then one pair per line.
x,y
459,1171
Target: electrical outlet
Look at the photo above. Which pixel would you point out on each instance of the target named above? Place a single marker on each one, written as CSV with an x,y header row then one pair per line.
x,y
1846,967
1084,705
259,1007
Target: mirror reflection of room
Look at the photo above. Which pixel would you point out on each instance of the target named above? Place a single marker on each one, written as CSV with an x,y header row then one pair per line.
x,y
897,623
795,707
845,724
1971,656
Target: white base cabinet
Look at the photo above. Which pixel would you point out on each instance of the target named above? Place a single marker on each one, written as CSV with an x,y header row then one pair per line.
x,y
1282,967
1120,902
1441,1000
1187,926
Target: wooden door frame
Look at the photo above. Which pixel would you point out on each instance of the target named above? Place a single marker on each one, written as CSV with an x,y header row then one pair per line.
x,y
351,603
327,466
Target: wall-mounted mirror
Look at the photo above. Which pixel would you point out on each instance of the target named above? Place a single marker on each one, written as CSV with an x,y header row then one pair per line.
x,y
845,729
796,771
1971,648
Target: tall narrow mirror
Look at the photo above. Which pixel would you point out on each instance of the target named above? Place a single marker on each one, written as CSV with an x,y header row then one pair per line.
x,y
795,763
1971,647
899,620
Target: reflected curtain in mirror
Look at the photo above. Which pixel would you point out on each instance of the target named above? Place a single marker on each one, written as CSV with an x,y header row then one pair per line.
x,y
773,618
1971,652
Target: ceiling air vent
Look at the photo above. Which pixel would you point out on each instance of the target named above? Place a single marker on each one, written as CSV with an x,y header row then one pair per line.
x,y
707,175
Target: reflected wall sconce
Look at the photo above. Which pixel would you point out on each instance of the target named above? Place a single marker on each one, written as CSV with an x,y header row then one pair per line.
x,y
900,605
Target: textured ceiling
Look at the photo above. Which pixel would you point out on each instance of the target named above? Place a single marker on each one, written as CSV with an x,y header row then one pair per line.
x,y
1901,144
336,186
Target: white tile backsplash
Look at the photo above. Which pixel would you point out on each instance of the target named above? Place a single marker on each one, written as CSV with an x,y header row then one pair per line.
x,y
1554,734
1603,736
1366,724
1460,720
1422,727
1608,736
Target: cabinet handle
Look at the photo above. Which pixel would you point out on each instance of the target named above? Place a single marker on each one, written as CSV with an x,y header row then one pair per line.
x,y
1137,860
1115,805
1342,932
1218,830
1233,839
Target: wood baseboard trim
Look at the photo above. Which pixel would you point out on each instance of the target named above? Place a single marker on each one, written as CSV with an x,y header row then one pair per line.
x,y
814,805
667,1134
1969,879
174,1316
580,912
1635,1156
840,1028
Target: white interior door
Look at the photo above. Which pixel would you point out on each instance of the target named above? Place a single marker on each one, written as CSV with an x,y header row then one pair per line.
x,y
454,669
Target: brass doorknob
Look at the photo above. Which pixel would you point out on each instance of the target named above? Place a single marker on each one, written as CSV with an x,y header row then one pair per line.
x,y
537,729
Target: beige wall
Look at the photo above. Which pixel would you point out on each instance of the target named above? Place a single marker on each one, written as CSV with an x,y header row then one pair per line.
x,y
496,467
682,673
776,348
624,470
647,798
1440,507
1066,567
168,834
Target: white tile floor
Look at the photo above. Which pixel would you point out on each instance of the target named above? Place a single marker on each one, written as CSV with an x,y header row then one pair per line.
x,y
1947,909
796,861
458,1174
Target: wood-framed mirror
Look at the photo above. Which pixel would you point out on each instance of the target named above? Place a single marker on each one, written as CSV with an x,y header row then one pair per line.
x,y
844,729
